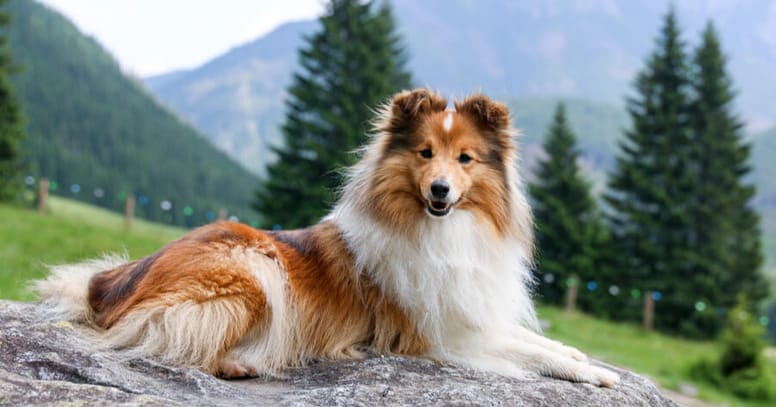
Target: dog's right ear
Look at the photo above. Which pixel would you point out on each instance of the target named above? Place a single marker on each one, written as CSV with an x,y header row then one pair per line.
x,y
409,107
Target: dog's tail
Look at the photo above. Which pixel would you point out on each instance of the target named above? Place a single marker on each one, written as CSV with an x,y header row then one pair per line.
x,y
67,286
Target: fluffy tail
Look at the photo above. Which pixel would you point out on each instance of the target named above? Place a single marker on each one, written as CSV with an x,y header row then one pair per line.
x,y
66,288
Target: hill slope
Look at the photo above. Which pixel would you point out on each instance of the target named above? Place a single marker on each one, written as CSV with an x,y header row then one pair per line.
x,y
70,232
100,136
236,99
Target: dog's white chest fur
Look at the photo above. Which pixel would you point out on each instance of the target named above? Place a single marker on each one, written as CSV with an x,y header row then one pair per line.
x,y
455,279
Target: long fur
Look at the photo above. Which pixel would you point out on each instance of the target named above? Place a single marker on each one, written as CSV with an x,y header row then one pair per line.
x,y
67,286
427,253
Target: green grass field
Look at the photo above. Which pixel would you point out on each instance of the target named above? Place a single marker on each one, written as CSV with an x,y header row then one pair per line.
x,y
662,358
69,232
72,231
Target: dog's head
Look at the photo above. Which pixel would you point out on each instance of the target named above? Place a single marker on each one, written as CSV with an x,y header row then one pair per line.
x,y
434,160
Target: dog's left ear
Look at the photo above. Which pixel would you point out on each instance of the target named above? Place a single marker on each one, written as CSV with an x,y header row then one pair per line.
x,y
408,108
489,115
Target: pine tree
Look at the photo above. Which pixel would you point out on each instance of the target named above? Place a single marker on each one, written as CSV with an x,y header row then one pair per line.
x,y
728,236
11,133
567,221
651,189
354,63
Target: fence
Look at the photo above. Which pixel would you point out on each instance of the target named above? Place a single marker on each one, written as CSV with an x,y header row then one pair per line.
x,y
130,202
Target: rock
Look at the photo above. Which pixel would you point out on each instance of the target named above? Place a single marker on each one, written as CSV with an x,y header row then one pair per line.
x,y
47,361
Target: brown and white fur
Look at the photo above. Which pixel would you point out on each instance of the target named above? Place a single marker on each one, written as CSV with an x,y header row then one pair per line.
x,y
397,267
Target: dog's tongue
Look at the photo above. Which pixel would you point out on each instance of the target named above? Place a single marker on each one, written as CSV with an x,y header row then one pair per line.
x,y
438,205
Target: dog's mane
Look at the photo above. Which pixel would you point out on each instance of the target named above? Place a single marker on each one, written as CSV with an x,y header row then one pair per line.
x,y
452,275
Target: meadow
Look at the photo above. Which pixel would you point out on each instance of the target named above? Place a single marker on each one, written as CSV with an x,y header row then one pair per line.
x,y
70,231
662,358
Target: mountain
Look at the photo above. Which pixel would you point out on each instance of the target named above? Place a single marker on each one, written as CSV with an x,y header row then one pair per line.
x,y
598,126
237,99
582,49
98,135
587,49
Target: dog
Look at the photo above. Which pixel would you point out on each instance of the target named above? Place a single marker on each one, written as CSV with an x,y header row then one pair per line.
x,y
427,253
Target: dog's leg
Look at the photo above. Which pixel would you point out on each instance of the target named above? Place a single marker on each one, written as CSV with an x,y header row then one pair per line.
x,y
537,358
272,343
195,300
555,346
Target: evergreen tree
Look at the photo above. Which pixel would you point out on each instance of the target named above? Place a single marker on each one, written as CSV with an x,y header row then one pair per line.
x,y
728,236
11,133
354,63
651,190
567,222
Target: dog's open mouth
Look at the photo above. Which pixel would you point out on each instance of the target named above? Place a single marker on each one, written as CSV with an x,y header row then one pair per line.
x,y
438,208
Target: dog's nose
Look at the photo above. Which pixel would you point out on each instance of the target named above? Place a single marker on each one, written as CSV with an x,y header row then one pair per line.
x,y
439,189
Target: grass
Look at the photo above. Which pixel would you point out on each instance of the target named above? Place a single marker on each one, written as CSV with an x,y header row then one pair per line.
x,y
663,358
68,232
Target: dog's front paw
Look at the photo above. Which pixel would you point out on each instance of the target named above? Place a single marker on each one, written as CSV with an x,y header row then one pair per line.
x,y
598,376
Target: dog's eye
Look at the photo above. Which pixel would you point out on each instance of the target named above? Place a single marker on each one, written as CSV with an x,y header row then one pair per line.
x,y
425,153
464,158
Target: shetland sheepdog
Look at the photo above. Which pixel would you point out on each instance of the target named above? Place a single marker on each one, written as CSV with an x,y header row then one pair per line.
x,y
427,253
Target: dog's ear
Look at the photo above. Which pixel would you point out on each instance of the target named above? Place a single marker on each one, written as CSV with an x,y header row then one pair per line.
x,y
487,114
409,107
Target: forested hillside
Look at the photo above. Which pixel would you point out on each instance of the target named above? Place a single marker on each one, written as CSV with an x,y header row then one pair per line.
x,y
99,136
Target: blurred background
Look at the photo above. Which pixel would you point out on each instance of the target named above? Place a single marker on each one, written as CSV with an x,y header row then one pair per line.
x,y
648,137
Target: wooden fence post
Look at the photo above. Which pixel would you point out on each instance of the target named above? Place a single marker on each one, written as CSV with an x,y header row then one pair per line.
x,y
43,195
649,311
571,293
129,211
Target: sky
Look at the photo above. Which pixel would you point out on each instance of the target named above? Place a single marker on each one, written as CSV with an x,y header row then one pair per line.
x,y
150,37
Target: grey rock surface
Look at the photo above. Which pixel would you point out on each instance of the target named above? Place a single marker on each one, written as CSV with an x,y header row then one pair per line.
x,y
47,361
